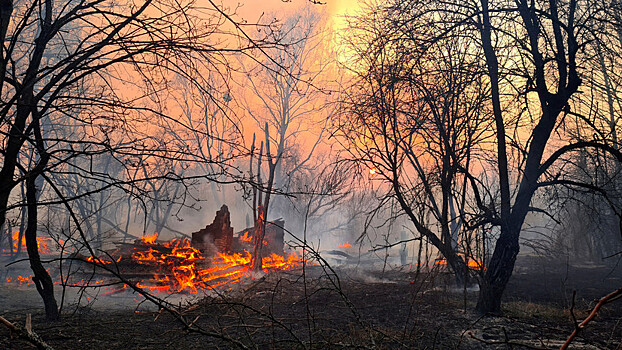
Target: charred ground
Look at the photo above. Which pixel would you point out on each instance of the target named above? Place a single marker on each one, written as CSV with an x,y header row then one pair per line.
x,y
394,309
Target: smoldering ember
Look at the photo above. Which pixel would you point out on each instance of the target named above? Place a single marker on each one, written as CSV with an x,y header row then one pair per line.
x,y
384,174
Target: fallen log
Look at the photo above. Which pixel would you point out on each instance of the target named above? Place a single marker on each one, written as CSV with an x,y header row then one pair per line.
x,y
26,333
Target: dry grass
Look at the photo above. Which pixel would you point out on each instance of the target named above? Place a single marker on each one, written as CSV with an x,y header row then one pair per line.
x,y
526,310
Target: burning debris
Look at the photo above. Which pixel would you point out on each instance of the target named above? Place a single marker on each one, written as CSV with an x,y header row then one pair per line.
x,y
273,238
178,266
19,244
214,257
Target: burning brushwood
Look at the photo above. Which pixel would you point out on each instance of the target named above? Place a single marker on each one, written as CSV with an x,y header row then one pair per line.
x,y
212,258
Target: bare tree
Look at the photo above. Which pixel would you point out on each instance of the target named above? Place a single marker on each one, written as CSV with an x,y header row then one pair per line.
x,y
289,108
415,120
590,222
533,52
552,74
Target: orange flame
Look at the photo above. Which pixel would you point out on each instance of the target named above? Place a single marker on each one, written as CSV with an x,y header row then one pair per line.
x,y
42,243
179,267
472,263
475,264
100,261
345,245
246,237
21,280
278,262
149,239
182,268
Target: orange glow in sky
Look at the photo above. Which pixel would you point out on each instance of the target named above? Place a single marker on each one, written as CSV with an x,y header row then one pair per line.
x,y
339,8
252,10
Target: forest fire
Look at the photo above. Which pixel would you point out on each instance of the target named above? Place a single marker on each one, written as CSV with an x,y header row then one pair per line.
x,y
43,243
176,267
180,267
212,258
436,135
471,263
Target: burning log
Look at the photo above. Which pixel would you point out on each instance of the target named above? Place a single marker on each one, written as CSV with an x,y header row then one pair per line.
x,y
217,236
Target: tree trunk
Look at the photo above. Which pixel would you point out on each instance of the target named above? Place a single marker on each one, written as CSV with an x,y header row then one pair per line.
x,y
500,268
258,237
41,278
512,217
6,9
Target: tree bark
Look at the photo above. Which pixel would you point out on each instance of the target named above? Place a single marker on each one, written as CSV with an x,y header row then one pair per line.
x,y
261,216
258,237
41,277
497,276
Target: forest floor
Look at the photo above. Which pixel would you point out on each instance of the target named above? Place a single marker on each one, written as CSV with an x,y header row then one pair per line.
x,y
394,309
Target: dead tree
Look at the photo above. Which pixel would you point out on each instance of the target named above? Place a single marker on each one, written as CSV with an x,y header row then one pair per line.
x,y
286,93
538,20
290,111
589,226
262,191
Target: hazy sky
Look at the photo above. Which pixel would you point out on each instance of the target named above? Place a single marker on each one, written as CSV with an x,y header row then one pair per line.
x,y
251,10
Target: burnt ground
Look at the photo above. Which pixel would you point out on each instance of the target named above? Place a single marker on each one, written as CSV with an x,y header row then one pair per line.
x,y
396,309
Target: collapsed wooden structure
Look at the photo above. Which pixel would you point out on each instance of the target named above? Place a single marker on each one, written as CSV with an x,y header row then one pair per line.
x,y
219,236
